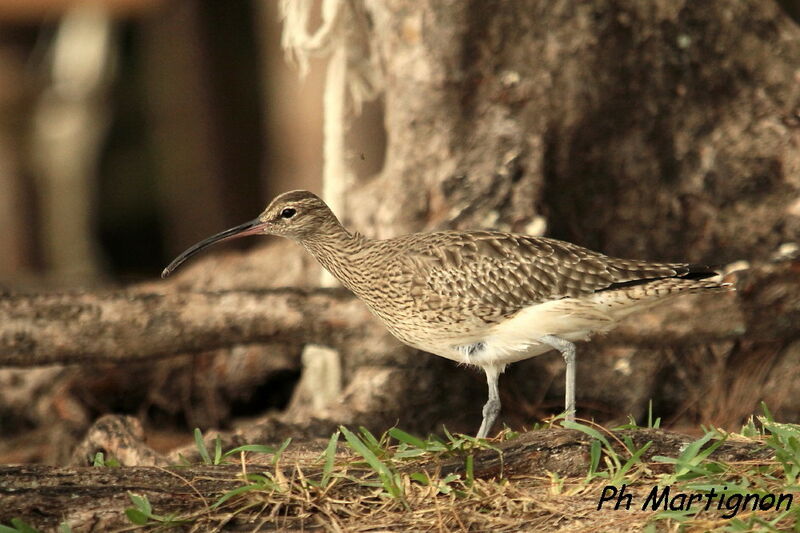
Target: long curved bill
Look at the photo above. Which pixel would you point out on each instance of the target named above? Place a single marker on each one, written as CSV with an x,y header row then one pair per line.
x,y
248,228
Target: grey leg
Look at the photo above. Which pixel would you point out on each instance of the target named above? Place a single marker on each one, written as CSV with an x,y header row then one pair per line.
x,y
567,350
492,407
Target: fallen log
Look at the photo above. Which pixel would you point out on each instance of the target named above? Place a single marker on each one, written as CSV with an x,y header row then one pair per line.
x,y
120,326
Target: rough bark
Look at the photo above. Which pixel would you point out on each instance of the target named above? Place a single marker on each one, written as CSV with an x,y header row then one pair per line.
x,y
122,326
661,130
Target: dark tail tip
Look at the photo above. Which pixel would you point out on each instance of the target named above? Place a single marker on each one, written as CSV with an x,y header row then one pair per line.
x,y
695,271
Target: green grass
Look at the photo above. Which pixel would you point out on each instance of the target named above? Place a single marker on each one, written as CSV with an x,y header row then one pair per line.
x,y
694,471
19,526
391,470
618,469
141,514
397,479
221,457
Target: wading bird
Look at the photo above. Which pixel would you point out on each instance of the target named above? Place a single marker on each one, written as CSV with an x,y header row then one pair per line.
x,y
482,298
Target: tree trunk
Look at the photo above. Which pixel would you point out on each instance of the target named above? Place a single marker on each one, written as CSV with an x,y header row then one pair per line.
x,y
661,130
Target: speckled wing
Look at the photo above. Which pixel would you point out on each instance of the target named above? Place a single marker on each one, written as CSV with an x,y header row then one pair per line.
x,y
492,274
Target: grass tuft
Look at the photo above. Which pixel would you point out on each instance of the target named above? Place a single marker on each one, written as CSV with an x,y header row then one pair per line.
x,y
396,480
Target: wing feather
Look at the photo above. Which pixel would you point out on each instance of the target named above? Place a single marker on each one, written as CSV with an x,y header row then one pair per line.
x,y
497,274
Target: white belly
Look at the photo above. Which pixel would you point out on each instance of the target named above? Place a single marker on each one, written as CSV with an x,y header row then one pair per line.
x,y
572,319
518,337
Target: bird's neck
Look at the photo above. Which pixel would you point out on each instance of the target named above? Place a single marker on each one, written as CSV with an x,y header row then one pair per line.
x,y
338,251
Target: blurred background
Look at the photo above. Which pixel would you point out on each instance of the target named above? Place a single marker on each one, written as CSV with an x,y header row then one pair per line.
x,y
131,128
666,130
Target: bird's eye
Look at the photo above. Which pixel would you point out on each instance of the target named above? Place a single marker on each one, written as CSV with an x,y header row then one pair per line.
x,y
288,213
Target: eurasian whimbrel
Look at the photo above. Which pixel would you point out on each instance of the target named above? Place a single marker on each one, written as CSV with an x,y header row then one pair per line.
x,y
483,298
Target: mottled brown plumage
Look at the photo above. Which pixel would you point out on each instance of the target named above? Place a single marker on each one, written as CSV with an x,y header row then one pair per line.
x,y
478,297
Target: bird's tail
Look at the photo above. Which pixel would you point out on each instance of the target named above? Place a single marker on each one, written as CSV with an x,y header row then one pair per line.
x,y
626,300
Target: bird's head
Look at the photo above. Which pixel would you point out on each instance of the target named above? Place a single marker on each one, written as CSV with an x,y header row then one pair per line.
x,y
296,215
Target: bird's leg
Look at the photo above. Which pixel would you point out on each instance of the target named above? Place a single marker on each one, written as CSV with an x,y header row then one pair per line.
x,y
492,407
567,350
